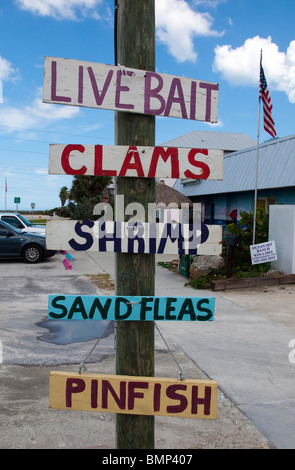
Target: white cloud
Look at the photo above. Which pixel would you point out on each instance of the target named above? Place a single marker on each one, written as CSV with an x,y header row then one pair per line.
x,y
36,116
240,66
41,171
215,124
209,3
177,23
7,73
6,69
50,112
14,117
61,9
176,26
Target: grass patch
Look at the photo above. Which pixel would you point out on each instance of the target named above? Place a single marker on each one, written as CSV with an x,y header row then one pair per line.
x,y
38,221
242,269
170,266
103,281
204,282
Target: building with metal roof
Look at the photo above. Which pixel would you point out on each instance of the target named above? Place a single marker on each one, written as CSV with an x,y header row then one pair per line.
x,y
226,141
223,199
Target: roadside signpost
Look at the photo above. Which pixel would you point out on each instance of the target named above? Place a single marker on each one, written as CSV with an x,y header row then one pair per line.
x,y
133,237
137,94
133,395
100,86
17,202
135,161
93,307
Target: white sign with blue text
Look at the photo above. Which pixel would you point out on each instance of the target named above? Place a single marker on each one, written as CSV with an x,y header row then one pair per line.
x,y
263,252
133,237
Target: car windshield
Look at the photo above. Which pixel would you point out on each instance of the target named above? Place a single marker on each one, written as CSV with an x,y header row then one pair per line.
x,y
25,221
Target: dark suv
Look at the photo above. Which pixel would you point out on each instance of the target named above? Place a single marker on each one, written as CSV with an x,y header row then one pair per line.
x,y
16,244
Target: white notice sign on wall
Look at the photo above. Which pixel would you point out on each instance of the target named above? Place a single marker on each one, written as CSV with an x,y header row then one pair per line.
x,y
263,252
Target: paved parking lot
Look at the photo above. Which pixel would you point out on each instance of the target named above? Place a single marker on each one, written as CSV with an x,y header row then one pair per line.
x,y
30,352
27,336
246,352
24,333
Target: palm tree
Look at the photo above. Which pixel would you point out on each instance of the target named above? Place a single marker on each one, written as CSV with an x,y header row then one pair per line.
x,y
88,186
85,193
63,195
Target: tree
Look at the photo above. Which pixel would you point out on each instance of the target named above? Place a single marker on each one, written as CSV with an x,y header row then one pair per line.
x,y
63,195
85,193
245,227
244,230
88,187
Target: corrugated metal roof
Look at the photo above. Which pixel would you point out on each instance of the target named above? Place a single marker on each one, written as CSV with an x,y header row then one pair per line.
x,y
276,169
229,142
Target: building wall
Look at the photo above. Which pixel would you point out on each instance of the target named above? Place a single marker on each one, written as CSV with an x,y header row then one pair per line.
x,y
282,232
222,209
219,208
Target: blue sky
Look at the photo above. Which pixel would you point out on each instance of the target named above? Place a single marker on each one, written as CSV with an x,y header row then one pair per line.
x,y
210,40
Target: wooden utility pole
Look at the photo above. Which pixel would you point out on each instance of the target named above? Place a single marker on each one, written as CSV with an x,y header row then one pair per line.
x,y
135,273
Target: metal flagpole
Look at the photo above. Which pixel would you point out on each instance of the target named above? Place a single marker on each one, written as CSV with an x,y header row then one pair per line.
x,y
257,156
5,193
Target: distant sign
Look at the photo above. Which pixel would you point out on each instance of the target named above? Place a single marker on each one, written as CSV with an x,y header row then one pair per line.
x,y
133,395
263,252
16,200
79,83
163,162
93,307
133,237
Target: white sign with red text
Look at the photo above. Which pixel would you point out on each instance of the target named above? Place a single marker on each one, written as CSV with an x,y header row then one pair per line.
x,y
79,83
164,162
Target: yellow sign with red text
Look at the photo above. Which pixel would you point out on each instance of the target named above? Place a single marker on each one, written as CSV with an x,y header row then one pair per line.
x,y
133,395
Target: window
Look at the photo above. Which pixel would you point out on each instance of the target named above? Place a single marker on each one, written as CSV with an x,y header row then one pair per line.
x,y
3,231
212,213
265,202
12,221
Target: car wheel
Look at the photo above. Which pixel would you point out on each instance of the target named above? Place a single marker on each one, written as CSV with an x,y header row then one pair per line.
x,y
32,254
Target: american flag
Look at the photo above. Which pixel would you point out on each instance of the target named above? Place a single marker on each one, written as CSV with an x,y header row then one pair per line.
x,y
269,124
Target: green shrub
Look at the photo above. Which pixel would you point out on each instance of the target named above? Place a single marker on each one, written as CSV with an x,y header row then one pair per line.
x,y
242,266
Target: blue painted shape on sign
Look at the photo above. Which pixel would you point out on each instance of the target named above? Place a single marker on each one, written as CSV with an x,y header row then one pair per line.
x,y
139,308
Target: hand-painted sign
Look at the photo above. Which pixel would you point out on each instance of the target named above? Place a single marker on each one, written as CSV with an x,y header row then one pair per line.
x,y
133,395
133,237
136,161
144,308
263,252
79,83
